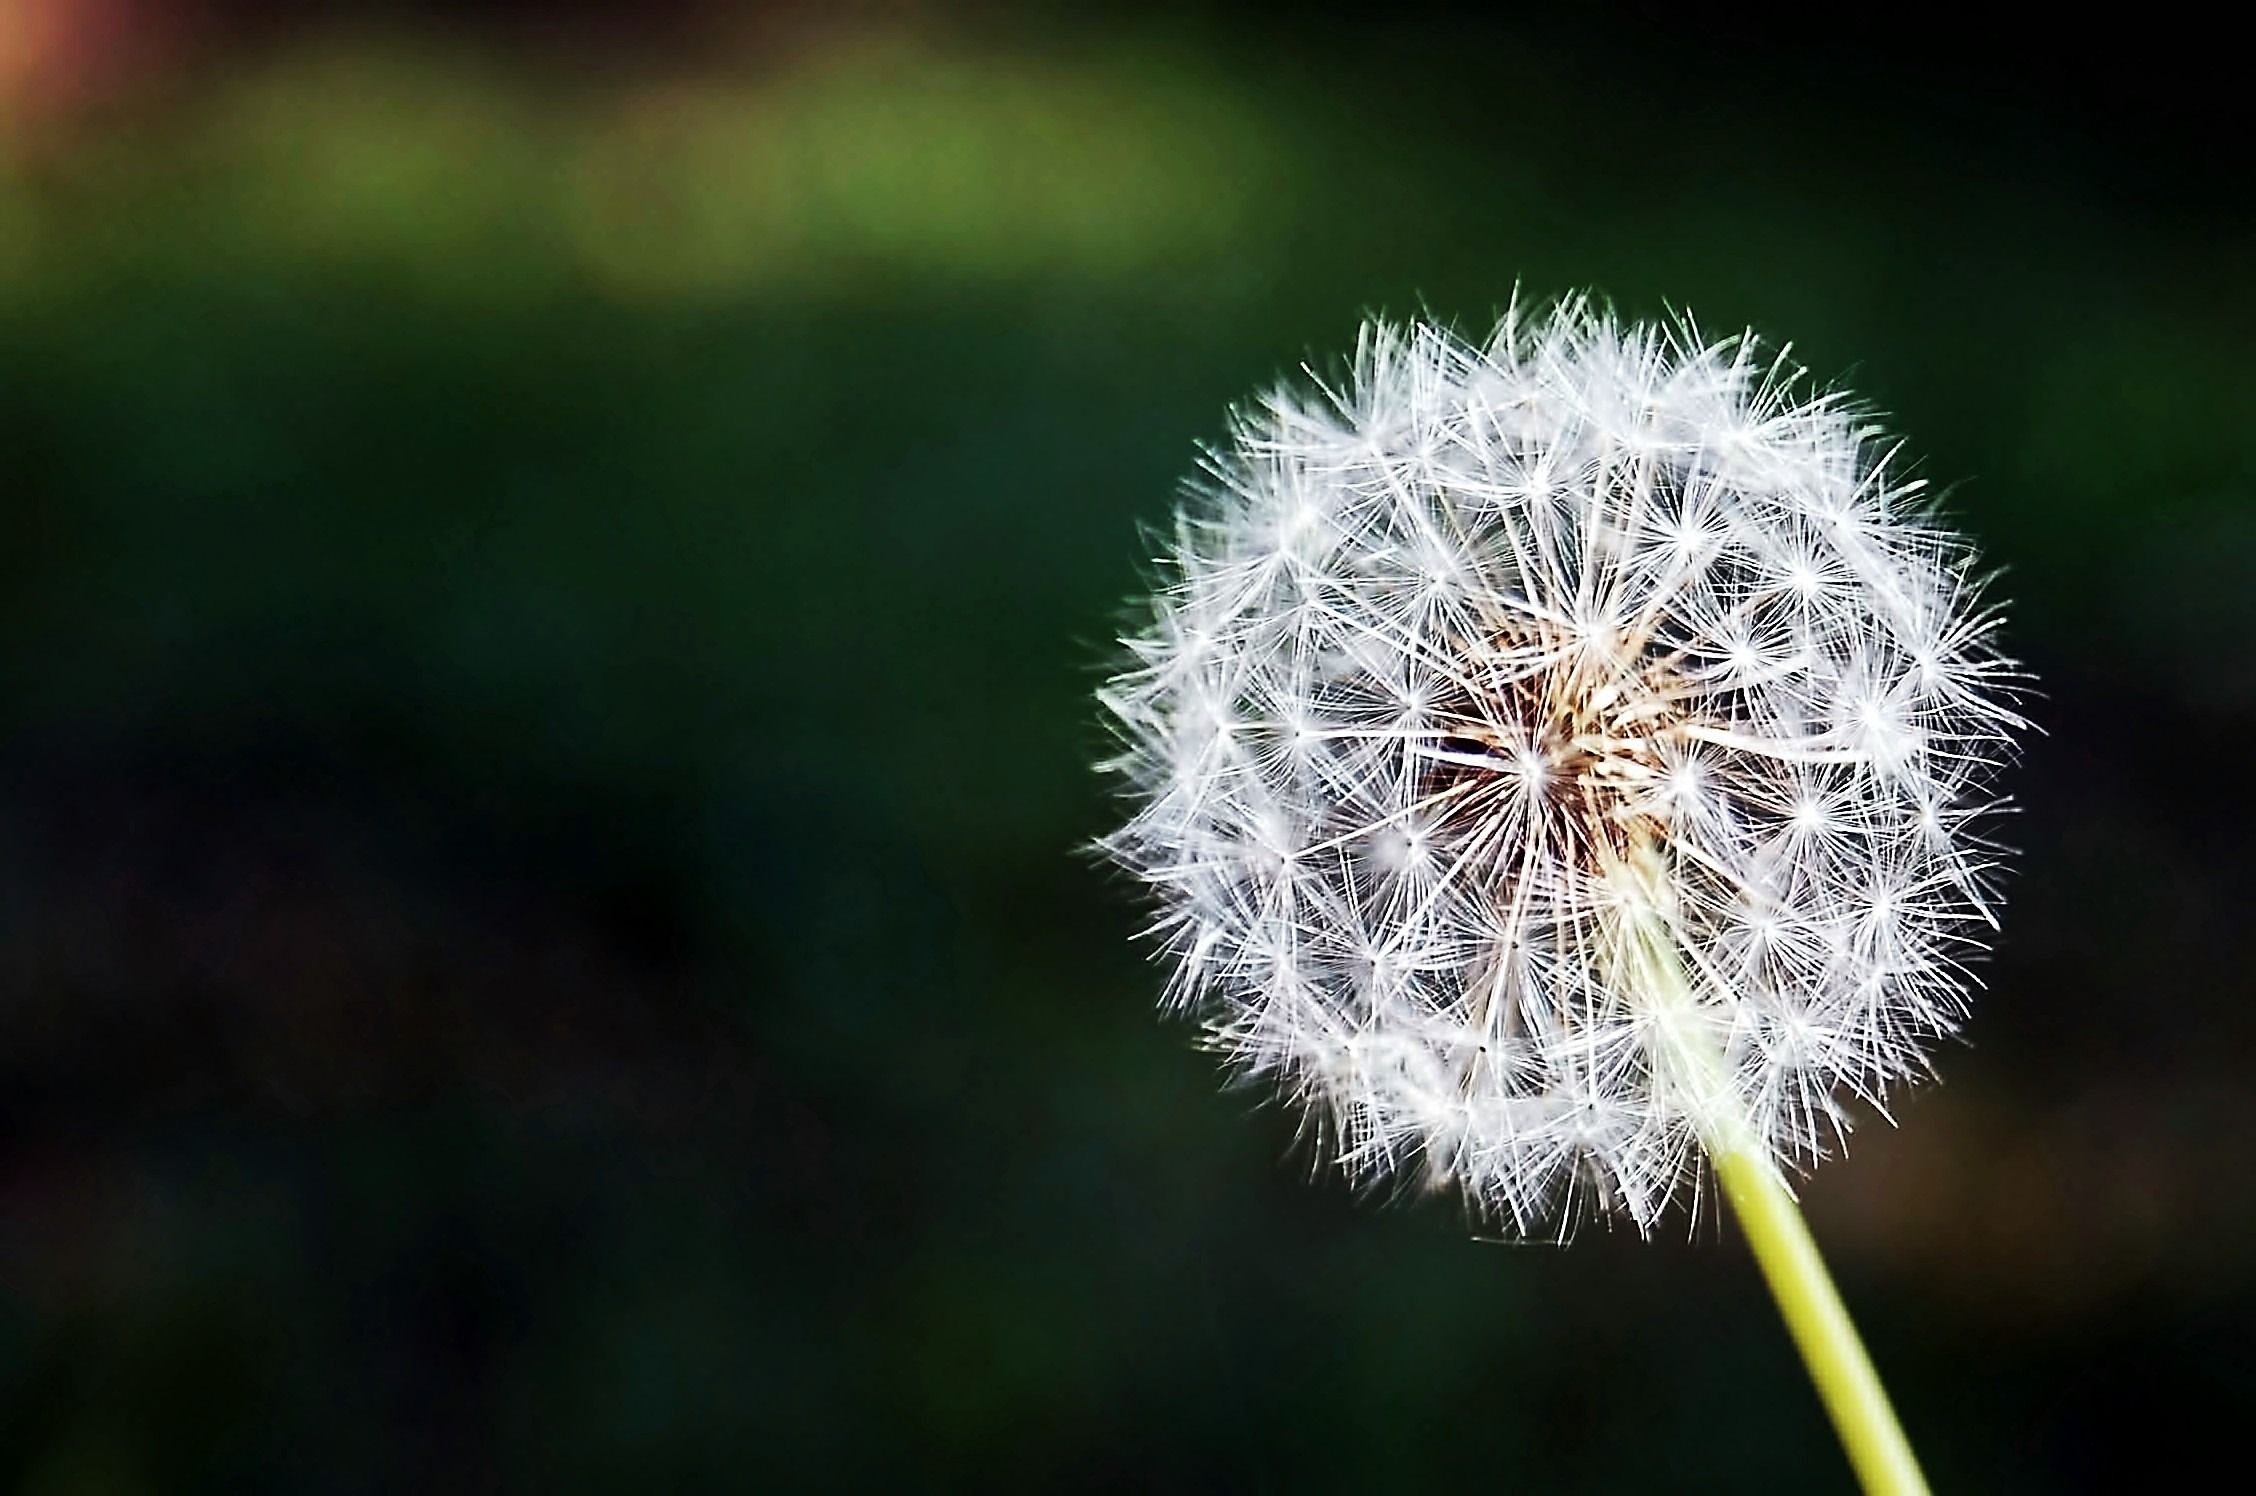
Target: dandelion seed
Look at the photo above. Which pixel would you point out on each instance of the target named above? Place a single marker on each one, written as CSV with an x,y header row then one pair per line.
x,y
1559,760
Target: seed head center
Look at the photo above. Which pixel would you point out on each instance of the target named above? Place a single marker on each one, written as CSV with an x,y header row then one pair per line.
x,y
1583,736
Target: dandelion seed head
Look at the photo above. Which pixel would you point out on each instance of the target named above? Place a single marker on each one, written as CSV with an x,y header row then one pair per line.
x,y
1445,648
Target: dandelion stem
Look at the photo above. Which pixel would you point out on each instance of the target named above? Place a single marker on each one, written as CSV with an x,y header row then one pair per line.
x,y
1819,1323
1687,1048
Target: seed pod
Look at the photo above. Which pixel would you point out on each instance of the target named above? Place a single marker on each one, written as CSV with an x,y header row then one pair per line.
x,y
1448,654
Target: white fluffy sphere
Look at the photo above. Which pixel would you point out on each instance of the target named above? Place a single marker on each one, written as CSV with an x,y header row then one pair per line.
x,y
1440,651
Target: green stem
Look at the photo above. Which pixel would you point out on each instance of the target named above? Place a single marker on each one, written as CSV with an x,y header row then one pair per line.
x,y
1819,1323
1689,1053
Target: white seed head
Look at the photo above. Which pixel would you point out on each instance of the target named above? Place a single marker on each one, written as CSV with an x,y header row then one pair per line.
x,y
1457,659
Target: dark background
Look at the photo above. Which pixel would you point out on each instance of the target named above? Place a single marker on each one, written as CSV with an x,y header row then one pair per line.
x,y
553,563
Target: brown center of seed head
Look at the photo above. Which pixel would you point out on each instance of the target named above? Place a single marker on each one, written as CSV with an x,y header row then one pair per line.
x,y
1580,736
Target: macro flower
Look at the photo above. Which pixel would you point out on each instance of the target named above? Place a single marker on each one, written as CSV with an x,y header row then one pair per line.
x,y
1556,757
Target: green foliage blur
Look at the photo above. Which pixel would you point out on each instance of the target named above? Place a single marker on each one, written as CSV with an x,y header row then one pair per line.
x,y
548,605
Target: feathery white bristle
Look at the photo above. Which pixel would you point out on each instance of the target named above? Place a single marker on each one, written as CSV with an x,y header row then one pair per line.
x,y
1440,649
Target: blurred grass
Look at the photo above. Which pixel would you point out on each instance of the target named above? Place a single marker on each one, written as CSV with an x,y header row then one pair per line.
x,y
888,230
647,535
861,157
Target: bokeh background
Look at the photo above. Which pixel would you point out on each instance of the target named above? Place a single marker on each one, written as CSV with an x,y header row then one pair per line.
x,y
553,563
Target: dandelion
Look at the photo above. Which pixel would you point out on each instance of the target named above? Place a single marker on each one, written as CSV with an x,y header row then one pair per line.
x,y
1559,765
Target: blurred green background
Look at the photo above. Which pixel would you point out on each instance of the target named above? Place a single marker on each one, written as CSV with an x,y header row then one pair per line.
x,y
554,562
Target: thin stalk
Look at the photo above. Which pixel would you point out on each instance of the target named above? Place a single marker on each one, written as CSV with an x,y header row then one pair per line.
x,y
1688,1048
1820,1324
